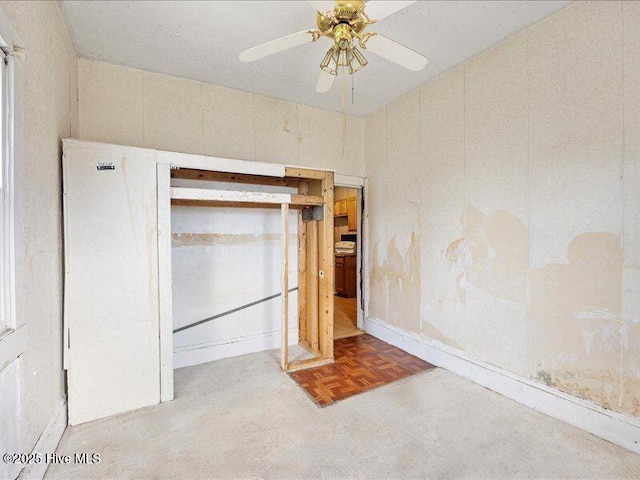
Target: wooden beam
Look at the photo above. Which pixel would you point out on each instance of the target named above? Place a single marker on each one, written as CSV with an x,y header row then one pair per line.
x,y
231,196
207,203
284,208
308,173
307,200
194,174
309,363
204,194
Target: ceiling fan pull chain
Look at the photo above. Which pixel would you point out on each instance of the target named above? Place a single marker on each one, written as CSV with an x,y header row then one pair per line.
x,y
342,90
352,89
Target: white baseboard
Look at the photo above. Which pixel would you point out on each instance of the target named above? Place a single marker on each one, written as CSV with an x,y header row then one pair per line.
x,y
614,427
208,352
47,443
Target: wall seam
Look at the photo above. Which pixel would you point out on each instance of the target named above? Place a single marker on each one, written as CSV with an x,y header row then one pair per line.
x,y
464,191
204,150
144,138
529,323
623,171
253,122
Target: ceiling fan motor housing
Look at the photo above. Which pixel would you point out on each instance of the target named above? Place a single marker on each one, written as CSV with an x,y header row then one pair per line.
x,y
346,12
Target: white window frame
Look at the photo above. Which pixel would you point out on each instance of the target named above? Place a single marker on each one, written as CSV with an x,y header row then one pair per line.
x,y
13,331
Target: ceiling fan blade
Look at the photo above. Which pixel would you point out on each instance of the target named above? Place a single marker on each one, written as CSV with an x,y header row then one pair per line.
x,y
323,5
379,9
394,52
325,82
275,46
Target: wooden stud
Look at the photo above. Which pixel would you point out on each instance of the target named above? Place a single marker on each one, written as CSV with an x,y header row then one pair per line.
x,y
313,292
326,249
284,208
302,279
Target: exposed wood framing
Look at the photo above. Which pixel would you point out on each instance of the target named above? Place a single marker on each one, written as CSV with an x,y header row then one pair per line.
x,y
296,172
302,273
210,195
309,363
196,194
194,174
315,246
327,289
313,291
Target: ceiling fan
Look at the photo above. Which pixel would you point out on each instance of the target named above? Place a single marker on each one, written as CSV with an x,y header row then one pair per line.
x,y
345,21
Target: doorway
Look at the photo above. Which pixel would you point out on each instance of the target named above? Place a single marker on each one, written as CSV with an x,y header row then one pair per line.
x,y
347,244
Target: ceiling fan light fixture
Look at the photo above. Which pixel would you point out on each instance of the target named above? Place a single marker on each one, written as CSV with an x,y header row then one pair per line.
x,y
350,58
357,61
330,61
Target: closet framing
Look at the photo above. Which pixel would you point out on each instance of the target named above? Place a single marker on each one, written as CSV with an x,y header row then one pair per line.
x,y
314,204
118,319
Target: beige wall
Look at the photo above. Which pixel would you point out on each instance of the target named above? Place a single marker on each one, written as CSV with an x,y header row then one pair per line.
x,y
503,205
133,107
48,77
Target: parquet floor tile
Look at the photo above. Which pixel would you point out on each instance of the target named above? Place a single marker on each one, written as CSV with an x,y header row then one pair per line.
x,y
361,363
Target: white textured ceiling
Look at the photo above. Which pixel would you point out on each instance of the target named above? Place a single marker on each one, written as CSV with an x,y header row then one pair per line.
x,y
202,40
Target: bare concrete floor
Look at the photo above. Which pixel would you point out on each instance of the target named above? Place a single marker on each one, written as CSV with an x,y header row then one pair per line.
x,y
243,418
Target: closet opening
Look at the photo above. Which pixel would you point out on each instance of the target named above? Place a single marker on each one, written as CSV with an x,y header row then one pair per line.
x,y
251,265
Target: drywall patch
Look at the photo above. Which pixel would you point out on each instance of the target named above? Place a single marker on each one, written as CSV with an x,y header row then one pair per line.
x,y
576,309
395,284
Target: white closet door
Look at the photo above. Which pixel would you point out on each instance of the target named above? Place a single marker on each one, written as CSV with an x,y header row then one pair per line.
x,y
111,280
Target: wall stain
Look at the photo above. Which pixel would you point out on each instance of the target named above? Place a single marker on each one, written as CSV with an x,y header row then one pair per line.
x,y
432,332
493,253
211,239
576,309
395,284
631,368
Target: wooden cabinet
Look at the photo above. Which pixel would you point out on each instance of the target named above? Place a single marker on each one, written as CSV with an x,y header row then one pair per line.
x,y
345,271
347,208
340,208
352,213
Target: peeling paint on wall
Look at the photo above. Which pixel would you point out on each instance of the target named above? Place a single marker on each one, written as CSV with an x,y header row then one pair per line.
x,y
492,254
395,284
576,309
432,332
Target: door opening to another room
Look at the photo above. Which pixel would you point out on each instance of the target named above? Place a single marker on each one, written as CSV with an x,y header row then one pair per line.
x,y
347,208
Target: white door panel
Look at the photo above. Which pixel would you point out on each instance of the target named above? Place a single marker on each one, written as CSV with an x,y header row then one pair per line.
x,y
111,281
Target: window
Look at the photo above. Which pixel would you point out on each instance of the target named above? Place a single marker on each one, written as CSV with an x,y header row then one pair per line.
x,y
13,332
6,204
